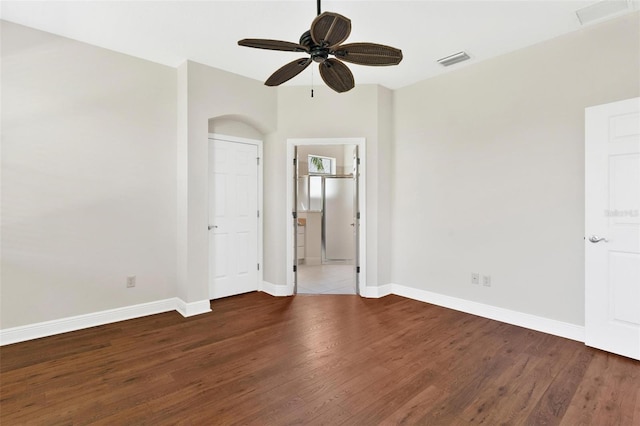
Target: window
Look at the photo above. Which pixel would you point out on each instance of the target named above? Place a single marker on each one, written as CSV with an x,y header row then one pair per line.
x,y
321,165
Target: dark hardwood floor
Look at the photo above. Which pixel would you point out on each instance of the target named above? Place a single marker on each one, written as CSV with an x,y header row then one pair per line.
x,y
262,360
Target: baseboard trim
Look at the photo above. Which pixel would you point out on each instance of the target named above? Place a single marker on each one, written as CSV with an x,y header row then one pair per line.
x,y
376,291
533,322
274,289
94,319
64,325
193,308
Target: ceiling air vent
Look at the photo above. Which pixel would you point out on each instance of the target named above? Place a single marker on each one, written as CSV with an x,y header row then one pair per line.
x,y
601,9
453,59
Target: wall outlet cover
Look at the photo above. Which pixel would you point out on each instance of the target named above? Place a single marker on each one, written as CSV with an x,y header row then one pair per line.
x,y
486,280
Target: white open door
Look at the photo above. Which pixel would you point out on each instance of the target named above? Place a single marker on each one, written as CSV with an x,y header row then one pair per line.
x,y
233,218
338,224
356,216
612,227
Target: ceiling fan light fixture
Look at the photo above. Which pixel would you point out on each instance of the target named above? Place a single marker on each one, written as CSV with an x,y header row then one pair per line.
x,y
454,59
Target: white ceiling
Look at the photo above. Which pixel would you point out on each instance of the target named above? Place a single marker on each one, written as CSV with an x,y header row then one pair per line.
x,y
170,32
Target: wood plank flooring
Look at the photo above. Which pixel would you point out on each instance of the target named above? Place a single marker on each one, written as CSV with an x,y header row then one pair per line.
x,y
326,359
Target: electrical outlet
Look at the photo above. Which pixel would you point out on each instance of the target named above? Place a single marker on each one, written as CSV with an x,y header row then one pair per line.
x,y
486,280
131,281
475,278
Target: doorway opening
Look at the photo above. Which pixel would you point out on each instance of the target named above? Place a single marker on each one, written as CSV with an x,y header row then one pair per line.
x,y
326,199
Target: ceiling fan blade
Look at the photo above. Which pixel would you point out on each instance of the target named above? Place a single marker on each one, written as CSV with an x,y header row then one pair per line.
x,y
336,75
368,54
260,43
330,29
288,71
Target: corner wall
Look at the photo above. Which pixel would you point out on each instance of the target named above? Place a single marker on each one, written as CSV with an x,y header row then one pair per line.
x,y
326,115
489,171
209,93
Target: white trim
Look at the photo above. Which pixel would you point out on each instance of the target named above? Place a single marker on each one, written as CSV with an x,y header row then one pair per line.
x,y
362,200
533,322
275,289
377,291
227,138
79,322
64,325
259,144
193,308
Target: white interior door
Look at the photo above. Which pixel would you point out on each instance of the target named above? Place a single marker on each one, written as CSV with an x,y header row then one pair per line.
x,y
612,222
233,218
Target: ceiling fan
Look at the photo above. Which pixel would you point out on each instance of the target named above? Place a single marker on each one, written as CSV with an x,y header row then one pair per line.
x,y
328,31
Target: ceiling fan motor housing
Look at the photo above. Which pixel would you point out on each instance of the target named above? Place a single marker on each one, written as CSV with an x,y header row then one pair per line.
x,y
318,53
306,39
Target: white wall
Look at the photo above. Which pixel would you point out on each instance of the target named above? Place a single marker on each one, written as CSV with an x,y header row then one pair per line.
x,y
88,178
104,171
384,163
232,126
489,165
326,115
208,94
480,170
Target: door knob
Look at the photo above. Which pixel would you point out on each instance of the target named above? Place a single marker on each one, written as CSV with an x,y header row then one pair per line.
x,y
212,226
596,239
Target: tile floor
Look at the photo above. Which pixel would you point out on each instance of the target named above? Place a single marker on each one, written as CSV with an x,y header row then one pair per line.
x,y
326,279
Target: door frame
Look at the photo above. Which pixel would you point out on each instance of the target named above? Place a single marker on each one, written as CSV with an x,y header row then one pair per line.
x,y
362,203
600,312
259,144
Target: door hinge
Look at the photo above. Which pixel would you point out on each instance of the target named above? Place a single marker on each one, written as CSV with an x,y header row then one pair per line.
x,y
358,161
294,214
294,161
258,266
258,213
357,269
358,215
258,160
295,268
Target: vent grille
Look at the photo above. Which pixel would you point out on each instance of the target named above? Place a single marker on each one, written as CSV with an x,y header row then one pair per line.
x,y
601,9
454,59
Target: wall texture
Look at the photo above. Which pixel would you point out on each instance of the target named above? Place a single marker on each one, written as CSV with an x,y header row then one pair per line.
x,y
489,170
88,178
